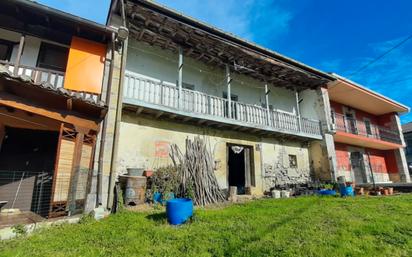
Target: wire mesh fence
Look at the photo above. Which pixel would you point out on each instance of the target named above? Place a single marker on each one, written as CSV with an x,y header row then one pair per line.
x,y
41,195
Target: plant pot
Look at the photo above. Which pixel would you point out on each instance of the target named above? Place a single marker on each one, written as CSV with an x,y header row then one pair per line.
x,y
385,191
135,171
285,194
360,191
275,194
390,189
148,173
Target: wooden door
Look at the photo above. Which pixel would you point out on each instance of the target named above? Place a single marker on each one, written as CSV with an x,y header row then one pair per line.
x,y
72,173
358,168
248,179
63,169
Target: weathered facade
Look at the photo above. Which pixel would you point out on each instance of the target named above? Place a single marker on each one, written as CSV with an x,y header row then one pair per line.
x,y
51,108
367,139
260,111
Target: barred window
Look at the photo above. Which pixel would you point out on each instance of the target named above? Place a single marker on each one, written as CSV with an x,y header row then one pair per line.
x,y
293,162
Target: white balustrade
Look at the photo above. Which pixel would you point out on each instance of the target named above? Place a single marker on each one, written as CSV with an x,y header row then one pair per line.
x,y
165,94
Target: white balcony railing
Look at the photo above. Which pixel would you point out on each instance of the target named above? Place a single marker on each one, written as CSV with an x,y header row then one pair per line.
x,y
38,75
154,92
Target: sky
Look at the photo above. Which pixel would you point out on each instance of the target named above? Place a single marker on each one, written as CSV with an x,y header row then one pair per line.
x,y
331,35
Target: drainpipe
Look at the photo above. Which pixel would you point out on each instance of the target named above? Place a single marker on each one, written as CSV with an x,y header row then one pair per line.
x,y
370,167
118,113
104,129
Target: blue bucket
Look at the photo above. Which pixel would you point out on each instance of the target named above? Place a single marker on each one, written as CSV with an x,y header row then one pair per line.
x,y
157,197
179,210
346,191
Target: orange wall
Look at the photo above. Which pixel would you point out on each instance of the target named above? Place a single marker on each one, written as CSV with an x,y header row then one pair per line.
x,y
382,161
360,115
391,162
378,162
85,66
342,157
386,120
381,120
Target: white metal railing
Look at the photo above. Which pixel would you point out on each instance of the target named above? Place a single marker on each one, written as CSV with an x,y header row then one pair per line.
x,y
359,127
38,75
166,94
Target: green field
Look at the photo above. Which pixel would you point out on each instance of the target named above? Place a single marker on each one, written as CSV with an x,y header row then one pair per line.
x,y
308,226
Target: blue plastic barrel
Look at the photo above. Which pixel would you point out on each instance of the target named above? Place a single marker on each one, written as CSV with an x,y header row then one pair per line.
x,y
179,210
346,191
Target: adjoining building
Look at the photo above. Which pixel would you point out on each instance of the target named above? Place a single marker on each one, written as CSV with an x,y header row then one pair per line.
x,y
368,141
259,110
407,134
52,68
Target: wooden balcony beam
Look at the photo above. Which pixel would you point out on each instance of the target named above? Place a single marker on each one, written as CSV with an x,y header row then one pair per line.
x,y
67,117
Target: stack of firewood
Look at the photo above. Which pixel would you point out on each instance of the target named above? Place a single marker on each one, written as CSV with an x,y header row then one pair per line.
x,y
196,172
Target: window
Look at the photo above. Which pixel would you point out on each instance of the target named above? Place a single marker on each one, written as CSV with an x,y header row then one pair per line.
x,y
270,106
409,146
6,48
232,97
332,115
368,127
52,57
188,86
351,125
293,161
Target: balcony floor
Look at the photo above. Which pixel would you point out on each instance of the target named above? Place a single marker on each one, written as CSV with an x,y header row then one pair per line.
x,y
158,111
352,139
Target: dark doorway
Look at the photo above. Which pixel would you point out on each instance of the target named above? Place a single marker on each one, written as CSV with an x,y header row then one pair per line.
x,y
240,168
27,159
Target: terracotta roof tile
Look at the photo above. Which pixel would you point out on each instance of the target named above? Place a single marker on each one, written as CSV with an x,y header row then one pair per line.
x,y
85,97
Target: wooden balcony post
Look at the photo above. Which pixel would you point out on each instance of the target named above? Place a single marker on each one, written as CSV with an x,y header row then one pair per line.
x,y
267,103
180,77
19,54
229,99
298,110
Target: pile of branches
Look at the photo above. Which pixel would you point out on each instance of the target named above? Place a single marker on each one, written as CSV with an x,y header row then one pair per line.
x,y
195,171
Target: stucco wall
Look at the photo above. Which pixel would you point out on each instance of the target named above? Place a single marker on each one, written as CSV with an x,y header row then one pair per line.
x,y
144,140
276,167
387,120
144,143
161,64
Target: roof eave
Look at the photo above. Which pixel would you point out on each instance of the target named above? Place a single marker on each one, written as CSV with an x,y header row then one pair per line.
x,y
339,77
213,30
70,17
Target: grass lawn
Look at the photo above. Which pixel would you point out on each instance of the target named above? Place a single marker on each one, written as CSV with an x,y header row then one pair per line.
x,y
308,226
